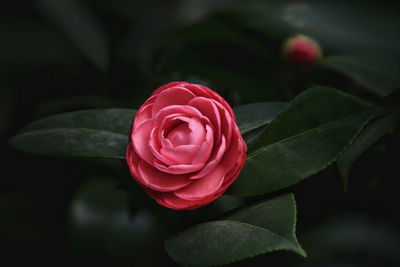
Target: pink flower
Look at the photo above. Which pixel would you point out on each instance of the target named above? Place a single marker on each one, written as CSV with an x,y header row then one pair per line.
x,y
185,148
302,50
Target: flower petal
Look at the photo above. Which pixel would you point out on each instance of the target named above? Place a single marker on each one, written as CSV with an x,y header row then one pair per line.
x,y
140,141
156,180
214,160
172,96
234,159
133,159
203,153
155,147
186,111
179,168
168,85
209,110
204,187
144,112
182,154
189,131
171,201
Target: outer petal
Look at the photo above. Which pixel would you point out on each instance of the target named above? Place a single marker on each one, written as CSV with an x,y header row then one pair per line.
x,y
172,96
233,164
169,200
204,187
140,141
156,180
133,160
144,112
201,90
179,168
226,123
168,85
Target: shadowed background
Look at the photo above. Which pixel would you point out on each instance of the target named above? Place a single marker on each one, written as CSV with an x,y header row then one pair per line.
x,y
59,56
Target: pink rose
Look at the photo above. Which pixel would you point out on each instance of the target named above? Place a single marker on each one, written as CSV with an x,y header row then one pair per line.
x,y
302,50
185,148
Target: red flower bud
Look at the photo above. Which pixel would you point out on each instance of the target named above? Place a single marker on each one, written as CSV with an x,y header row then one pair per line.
x,y
302,50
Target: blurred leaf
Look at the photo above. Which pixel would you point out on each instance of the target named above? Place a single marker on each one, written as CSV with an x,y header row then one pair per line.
x,y
91,133
255,115
223,53
67,104
100,221
7,104
218,29
366,240
17,218
380,74
230,68
139,46
190,11
81,26
306,137
265,227
25,46
370,134
340,27
263,17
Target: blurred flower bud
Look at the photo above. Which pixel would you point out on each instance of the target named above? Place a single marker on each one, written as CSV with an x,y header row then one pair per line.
x,y
302,50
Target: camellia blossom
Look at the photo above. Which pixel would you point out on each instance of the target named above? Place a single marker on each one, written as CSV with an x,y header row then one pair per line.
x,y
302,50
185,148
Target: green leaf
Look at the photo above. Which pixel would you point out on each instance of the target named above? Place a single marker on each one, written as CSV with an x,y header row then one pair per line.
x,y
370,134
302,140
249,137
262,228
255,115
89,133
81,26
380,74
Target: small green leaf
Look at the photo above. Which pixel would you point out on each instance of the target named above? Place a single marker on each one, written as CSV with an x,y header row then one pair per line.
x,y
370,134
81,26
262,228
89,133
377,73
302,140
255,115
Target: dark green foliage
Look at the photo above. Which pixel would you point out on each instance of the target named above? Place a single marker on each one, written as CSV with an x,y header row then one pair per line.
x,y
91,133
87,65
302,140
370,134
268,226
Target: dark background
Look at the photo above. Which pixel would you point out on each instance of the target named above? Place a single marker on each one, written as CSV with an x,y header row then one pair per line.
x,y
89,211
